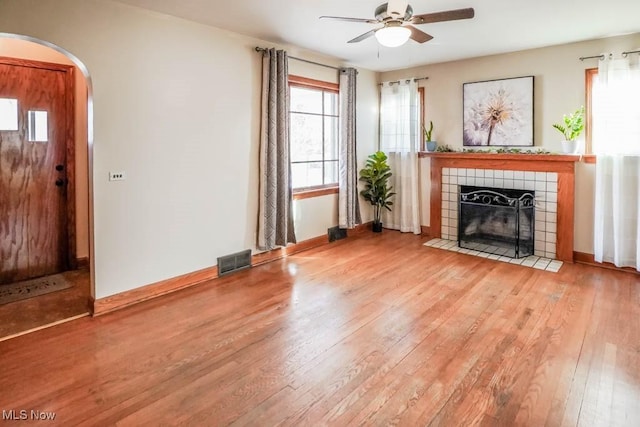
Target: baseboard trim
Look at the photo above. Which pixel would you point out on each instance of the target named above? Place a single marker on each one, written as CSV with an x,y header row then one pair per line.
x,y
82,263
125,299
360,228
293,248
153,290
588,259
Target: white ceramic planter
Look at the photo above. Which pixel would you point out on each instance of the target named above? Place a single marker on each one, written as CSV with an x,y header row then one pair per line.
x,y
570,147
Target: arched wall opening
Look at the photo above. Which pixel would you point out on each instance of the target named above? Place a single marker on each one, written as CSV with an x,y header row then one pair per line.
x,y
29,48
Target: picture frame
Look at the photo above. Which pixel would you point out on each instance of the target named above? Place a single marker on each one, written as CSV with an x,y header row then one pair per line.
x,y
498,112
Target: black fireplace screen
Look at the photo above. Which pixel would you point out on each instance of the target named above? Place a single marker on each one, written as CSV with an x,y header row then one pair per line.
x,y
496,220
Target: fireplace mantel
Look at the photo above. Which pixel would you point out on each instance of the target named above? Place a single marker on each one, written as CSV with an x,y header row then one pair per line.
x,y
562,164
499,159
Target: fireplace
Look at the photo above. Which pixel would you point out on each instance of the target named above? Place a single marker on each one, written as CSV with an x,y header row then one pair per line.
x,y
552,176
497,220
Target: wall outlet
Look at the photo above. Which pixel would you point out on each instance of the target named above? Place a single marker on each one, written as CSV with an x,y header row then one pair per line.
x,y
117,176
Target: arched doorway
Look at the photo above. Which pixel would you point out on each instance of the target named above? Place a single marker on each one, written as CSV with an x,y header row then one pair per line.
x,y
72,301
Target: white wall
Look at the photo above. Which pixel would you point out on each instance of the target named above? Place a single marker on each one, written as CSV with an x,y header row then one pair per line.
x,y
177,107
559,89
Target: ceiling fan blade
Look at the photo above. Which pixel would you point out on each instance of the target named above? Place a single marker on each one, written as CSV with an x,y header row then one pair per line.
x,y
397,8
448,15
418,35
342,18
363,36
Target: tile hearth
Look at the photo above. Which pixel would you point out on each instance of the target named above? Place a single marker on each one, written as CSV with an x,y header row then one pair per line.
x,y
537,262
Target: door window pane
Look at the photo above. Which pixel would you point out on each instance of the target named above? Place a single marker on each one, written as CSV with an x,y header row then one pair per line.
x,y
8,114
38,126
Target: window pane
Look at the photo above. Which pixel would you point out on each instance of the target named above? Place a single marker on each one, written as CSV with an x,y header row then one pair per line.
x,y
331,138
331,172
8,114
306,137
331,103
616,113
38,127
306,100
306,174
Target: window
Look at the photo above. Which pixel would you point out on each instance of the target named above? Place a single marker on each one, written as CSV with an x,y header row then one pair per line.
x,y
591,75
400,117
613,110
8,114
421,114
38,127
314,133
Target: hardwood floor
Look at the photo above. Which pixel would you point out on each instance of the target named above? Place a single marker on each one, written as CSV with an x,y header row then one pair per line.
x,y
21,316
376,329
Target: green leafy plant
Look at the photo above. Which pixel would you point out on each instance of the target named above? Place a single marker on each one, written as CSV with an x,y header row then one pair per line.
x,y
377,191
444,149
573,125
427,133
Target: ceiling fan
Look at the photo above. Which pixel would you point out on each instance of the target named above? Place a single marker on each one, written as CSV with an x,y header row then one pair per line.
x,y
397,20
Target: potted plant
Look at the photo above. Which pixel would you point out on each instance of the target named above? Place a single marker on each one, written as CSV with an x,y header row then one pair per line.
x,y
571,129
431,145
377,191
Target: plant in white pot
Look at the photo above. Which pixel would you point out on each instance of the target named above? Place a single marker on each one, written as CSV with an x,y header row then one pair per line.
x,y
571,128
430,145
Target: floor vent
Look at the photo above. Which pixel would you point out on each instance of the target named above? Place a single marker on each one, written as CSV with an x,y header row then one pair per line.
x,y
336,233
231,263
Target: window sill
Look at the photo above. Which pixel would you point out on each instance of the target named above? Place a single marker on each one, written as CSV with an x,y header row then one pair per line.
x,y
313,192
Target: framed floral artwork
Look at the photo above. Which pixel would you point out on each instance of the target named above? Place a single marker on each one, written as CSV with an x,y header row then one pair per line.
x,y
498,112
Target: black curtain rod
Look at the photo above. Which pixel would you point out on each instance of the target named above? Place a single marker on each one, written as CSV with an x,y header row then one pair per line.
x,y
397,82
600,57
262,49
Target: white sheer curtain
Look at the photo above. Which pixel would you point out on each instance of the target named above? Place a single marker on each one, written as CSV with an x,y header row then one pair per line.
x,y
616,141
399,139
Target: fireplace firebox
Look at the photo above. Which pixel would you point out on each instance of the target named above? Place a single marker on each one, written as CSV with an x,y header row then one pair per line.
x,y
497,220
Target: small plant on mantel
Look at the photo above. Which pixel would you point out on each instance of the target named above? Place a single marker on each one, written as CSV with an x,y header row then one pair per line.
x,y
430,145
571,128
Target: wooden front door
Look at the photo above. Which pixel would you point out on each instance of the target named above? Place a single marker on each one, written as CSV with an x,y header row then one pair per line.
x,y
35,100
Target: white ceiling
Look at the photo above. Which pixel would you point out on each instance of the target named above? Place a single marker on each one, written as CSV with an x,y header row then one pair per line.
x,y
499,25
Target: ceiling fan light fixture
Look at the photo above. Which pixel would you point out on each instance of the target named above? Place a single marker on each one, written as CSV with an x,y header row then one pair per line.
x,y
393,36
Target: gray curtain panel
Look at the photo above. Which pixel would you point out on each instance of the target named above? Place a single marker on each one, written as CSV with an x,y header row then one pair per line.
x,y
275,216
348,203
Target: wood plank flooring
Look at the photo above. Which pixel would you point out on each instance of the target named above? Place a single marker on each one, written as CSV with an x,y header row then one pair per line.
x,y
376,329
34,313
